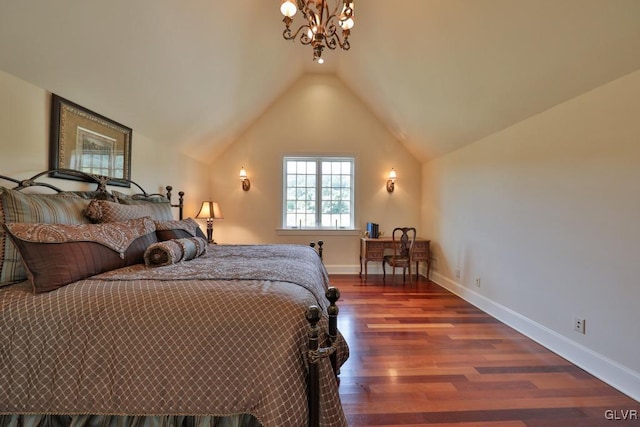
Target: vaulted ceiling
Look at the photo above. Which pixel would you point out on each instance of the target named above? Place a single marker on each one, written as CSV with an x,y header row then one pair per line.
x,y
439,74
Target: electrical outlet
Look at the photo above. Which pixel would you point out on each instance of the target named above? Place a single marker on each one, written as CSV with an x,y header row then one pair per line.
x,y
434,263
579,325
478,280
457,273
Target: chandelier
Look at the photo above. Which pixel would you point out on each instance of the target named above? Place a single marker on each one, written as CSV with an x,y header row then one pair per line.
x,y
322,20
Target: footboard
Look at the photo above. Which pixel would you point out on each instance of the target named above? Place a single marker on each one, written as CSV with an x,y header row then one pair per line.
x,y
316,353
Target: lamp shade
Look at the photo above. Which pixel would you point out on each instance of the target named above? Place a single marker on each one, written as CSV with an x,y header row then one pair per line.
x,y
210,210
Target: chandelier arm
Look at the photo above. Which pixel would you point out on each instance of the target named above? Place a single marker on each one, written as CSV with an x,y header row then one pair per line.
x,y
304,37
333,36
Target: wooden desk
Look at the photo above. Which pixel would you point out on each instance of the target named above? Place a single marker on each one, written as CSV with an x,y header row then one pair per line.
x,y
373,250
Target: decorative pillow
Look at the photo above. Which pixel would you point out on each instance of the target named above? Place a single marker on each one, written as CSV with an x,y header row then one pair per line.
x,y
55,255
173,251
104,211
178,229
16,206
160,206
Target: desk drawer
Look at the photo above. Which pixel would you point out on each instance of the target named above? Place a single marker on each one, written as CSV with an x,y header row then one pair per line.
x,y
421,251
420,246
375,246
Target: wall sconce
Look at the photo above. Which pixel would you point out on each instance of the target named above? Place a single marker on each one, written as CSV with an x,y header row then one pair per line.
x,y
210,211
391,182
246,184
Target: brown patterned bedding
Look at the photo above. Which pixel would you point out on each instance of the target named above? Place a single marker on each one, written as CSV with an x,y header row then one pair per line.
x,y
218,335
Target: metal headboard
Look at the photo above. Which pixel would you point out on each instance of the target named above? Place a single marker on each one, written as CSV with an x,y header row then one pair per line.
x,y
100,181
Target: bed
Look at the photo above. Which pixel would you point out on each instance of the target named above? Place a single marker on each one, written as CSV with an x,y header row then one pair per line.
x,y
122,321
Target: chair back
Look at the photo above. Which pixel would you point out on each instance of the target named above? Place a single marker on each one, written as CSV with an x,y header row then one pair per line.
x,y
403,241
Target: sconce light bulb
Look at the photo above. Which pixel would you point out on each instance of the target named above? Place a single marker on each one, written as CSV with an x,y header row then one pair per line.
x,y
246,184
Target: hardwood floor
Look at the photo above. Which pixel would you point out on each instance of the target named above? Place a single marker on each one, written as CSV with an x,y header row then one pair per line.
x,y
422,356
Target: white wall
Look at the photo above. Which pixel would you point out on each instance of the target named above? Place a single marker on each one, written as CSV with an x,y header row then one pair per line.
x,y
547,214
317,115
24,147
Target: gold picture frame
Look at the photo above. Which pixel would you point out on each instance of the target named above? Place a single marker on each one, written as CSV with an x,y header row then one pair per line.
x,y
89,142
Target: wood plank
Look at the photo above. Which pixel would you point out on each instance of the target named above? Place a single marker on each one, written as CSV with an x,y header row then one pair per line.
x,y
421,356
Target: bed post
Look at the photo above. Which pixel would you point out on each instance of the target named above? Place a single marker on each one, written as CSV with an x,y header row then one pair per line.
x,y
333,295
319,250
313,317
316,353
180,204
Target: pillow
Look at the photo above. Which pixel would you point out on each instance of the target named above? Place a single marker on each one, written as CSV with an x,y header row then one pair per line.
x,y
101,211
16,206
173,251
178,229
55,254
159,205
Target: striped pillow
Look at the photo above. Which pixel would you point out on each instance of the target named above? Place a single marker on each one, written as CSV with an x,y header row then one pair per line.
x,y
15,206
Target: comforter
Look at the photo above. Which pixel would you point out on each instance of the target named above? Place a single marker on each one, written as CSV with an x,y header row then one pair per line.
x,y
218,335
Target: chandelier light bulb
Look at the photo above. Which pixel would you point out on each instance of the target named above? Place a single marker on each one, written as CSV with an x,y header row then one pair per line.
x,y
288,8
320,60
347,24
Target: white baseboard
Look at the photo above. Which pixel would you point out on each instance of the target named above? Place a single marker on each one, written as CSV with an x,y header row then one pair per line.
x,y
343,269
616,375
372,268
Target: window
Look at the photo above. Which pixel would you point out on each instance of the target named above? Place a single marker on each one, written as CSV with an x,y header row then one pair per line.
x,y
318,192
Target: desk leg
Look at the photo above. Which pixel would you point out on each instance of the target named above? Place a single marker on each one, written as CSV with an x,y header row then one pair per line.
x,y
363,261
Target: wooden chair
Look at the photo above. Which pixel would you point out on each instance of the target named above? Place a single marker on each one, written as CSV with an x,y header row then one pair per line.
x,y
403,241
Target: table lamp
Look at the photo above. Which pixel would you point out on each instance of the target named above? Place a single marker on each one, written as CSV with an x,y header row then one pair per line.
x,y
210,211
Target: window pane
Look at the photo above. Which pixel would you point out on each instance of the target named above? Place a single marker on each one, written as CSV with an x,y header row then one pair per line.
x,y
326,168
335,167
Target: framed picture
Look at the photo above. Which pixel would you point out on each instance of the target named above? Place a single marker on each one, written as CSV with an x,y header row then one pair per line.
x,y
88,142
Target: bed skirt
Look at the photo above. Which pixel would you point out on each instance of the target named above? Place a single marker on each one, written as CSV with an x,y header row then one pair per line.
x,y
243,420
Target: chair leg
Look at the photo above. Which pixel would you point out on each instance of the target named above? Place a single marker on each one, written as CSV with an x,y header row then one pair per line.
x,y
384,272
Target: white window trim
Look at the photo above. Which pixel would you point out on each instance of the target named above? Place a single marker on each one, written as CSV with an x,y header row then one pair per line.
x,y
284,230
